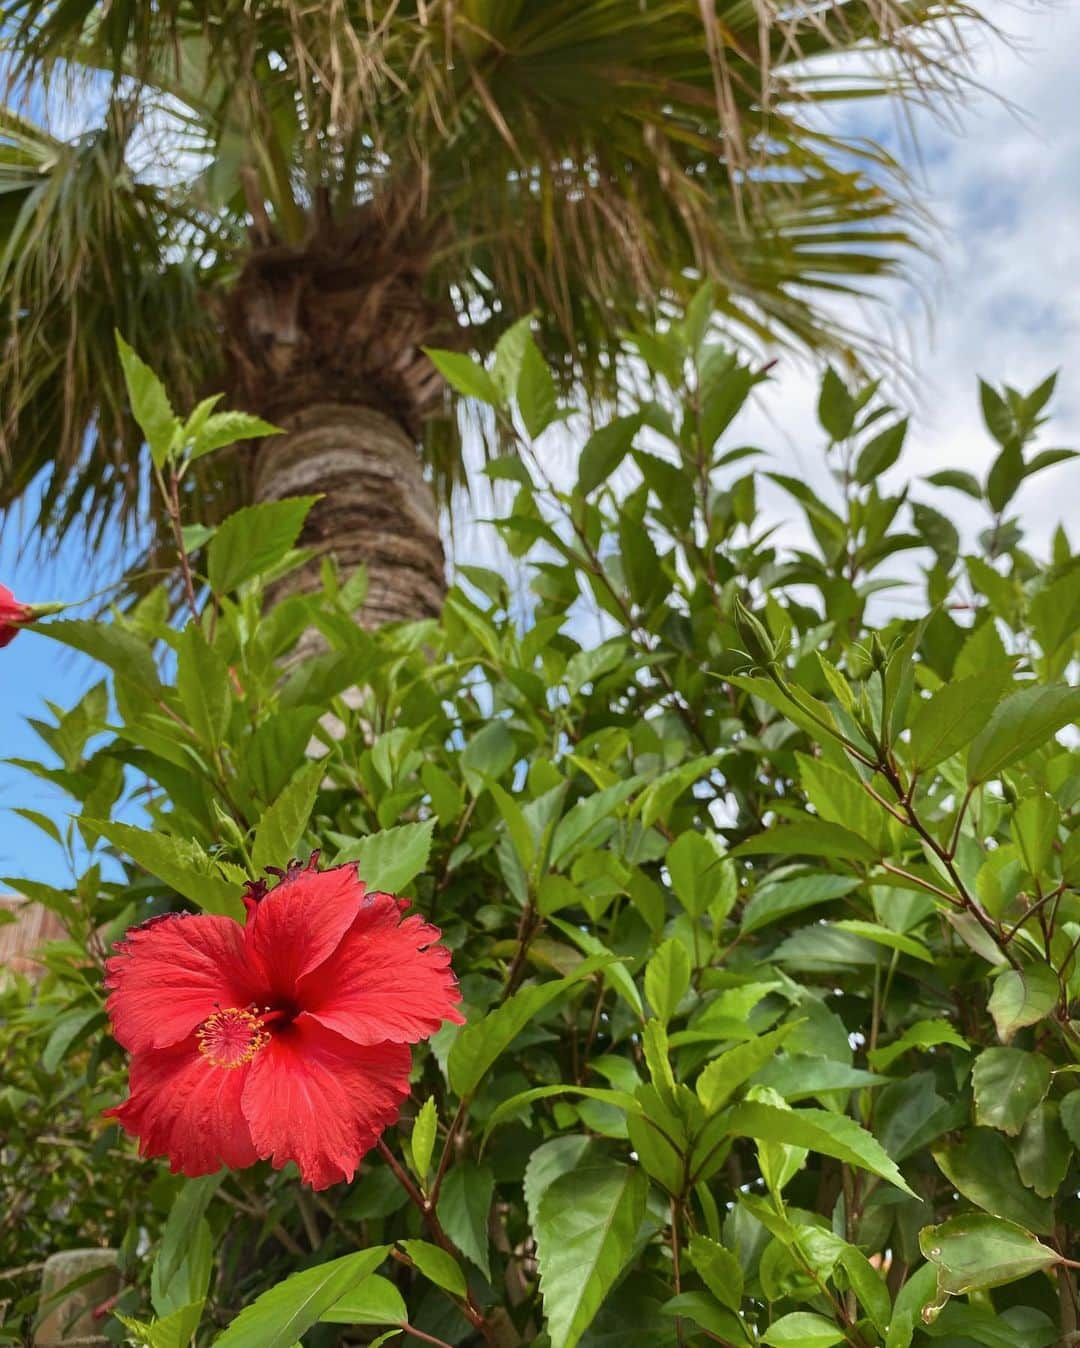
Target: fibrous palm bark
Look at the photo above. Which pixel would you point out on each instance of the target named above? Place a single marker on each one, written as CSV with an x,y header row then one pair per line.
x,y
325,340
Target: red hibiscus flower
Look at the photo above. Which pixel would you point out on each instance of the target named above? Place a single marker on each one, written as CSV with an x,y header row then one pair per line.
x,y
286,1038
13,616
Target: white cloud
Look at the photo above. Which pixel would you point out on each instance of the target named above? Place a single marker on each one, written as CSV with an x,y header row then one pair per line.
x,y
1005,188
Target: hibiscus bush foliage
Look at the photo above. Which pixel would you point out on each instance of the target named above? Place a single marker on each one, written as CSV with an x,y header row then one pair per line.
x,y
755,848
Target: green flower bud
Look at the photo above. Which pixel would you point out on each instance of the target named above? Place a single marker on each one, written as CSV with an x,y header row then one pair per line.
x,y
753,634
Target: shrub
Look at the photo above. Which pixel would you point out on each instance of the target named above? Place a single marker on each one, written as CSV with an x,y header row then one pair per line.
x,y
765,918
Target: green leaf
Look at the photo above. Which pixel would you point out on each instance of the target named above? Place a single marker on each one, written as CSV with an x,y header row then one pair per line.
x,y
1006,474
923,1034
392,858
129,658
480,1042
817,1130
773,902
1008,1084
547,1163
150,404
509,354
671,486
279,1317
1023,997
436,1264
279,831
616,974
202,680
422,1140
465,375
1022,723
226,428
182,865
869,1287
1016,1327
667,978
536,396
1035,826
517,825
880,453
811,838
65,1031
938,531
980,1165
952,718
726,1073
836,406
719,1270
1070,1117
253,540
839,797
797,1078
705,1311
174,1330
1046,458
978,1251
724,399
960,481
1043,1150
507,1109
870,931
654,1044
276,749
586,815
588,1222
803,1329
376,1301
996,415
699,870
185,1217
604,450
1055,613
488,754
1001,591
464,1208
656,801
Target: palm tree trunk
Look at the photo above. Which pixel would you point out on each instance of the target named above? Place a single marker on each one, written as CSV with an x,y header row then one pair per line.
x,y
377,508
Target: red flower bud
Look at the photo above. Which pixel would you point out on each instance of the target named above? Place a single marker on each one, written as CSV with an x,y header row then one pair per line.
x,y
13,616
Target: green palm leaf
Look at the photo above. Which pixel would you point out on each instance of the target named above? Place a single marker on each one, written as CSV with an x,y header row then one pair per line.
x,y
589,161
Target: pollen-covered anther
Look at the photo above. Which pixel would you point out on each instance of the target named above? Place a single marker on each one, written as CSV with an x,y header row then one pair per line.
x,y
232,1037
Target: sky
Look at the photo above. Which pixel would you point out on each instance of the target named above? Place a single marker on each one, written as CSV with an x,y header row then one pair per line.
x,y
1003,181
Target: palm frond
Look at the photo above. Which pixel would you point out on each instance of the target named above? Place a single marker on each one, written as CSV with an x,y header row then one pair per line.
x,y
589,160
85,248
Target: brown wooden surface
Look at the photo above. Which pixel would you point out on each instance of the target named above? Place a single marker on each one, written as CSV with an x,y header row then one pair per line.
x,y
19,939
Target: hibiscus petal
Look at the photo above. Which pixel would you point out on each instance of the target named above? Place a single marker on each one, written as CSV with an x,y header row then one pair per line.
x,y
388,979
300,922
183,1107
321,1101
172,973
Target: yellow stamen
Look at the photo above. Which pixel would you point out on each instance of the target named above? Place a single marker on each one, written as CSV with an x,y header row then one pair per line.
x,y
232,1037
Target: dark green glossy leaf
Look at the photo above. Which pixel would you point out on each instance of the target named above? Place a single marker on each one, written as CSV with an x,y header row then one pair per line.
x,y
1008,1084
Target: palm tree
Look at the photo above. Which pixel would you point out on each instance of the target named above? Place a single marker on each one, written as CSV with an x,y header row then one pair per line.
x,y
286,202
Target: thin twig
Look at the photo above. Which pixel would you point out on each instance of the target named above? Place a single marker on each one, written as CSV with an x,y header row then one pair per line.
x,y
422,1336
448,1146
955,839
172,509
922,884
426,1208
